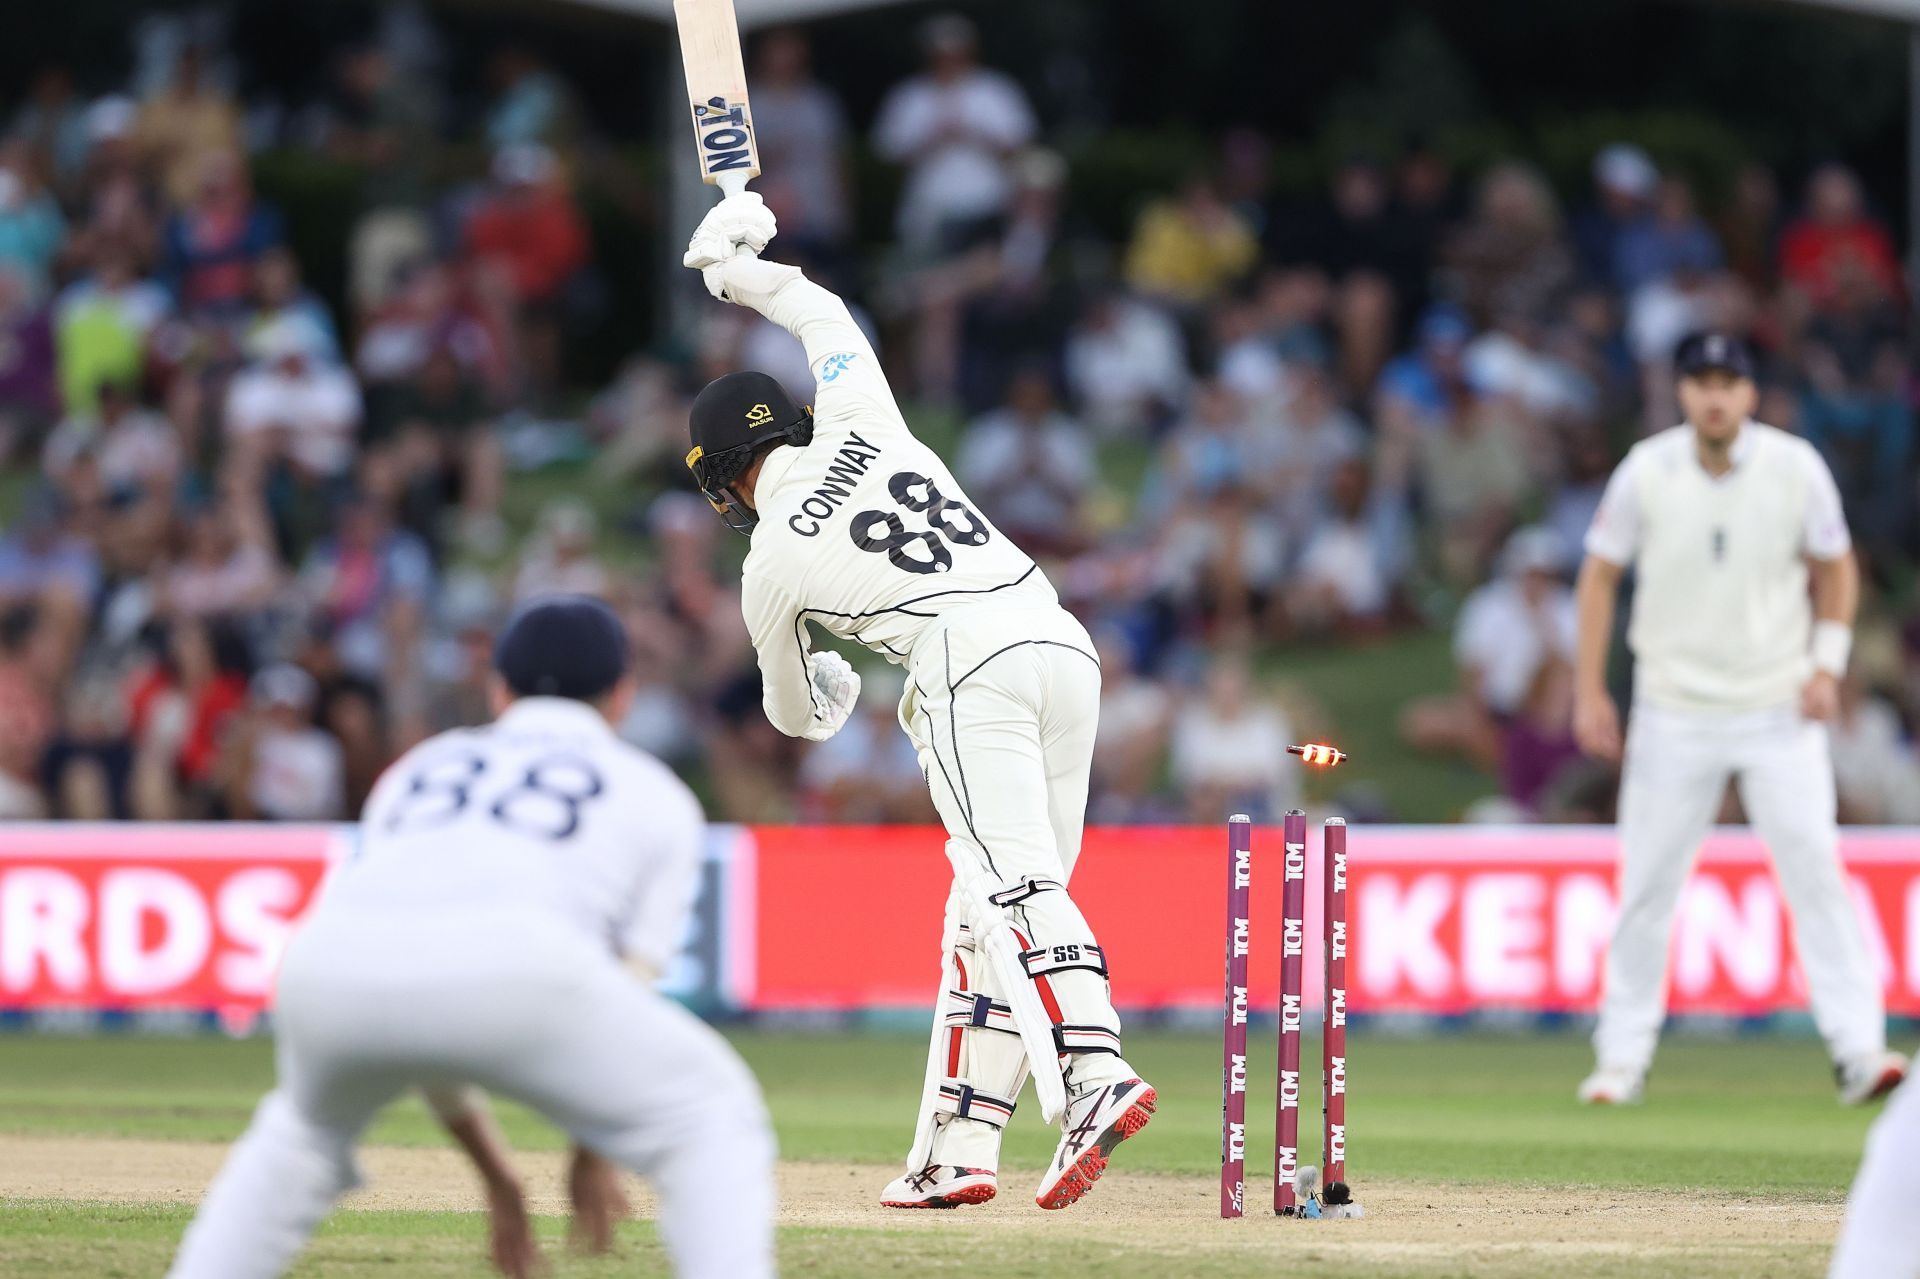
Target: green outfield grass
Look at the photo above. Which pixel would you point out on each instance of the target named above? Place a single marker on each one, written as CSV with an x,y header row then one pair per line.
x,y
1751,1117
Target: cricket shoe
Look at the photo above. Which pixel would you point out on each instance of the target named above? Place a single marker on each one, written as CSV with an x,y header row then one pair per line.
x,y
1869,1077
940,1186
1613,1086
1097,1120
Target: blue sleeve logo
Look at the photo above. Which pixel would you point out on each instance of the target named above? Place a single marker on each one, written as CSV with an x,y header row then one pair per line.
x,y
833,366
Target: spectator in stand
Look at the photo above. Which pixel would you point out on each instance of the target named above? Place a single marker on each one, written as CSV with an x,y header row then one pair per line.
x,y
388,125
1126,367
28,396
115,204
1671,240
1130,744
529,234
1854,406
1428,204
1347,580
1834,236
43,563
1875,766
133,446
31,227
1513,646
444,447
104,322
1750,226
211,244
1188,249
1473,476
1031,467
532,106
1367,248
279,765
183,128
181,703
281,300
1422,389
1313,436
53,123
1625,181
1230,749
802,135
1510,256
27,713
369,585
226,565
559,558
288,405
956,124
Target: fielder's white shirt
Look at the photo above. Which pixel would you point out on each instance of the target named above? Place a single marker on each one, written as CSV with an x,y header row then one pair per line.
x,y
543,810
1721,612
864,532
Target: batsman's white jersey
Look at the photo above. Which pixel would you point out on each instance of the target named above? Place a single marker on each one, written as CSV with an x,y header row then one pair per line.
x,y
476,938
865,533
1720,627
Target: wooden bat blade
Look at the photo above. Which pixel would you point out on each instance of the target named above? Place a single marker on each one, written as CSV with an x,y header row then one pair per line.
x,y
717,92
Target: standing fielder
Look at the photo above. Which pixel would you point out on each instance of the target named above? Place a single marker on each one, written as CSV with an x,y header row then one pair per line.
x,y
476,942
1725,520
860,529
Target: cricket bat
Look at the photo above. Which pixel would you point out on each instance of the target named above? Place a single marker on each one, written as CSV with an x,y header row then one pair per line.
x,y
717,90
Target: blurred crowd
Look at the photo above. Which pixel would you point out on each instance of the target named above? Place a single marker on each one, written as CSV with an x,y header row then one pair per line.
x,y
256,544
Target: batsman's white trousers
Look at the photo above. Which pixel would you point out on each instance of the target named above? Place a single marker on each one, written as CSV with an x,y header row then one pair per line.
x,y
520,1005
1003,706
1881,1238
1675,773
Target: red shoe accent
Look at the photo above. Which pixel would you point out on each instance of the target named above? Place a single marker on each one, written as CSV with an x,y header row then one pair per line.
x,y
958,1199
1086,1170
1890,1079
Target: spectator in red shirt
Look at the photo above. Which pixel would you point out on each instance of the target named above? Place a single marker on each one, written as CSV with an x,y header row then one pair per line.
x,y
528,224
528,235
1835,233
180,706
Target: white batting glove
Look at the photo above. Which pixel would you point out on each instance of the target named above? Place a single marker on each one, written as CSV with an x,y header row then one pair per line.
x,y
836,687
738,222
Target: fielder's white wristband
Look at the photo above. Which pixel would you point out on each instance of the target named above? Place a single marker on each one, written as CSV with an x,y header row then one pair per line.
x,y
1832,646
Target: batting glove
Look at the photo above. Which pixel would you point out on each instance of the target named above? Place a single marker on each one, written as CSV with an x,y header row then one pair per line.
x,y
836,687
738,222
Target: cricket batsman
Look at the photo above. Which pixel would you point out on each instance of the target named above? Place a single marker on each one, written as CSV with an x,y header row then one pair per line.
x,y
1881,1237
1727,523
860,529
516,891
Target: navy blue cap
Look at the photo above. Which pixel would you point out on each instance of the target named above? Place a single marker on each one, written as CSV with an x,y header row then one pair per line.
x,y
562,646
1710,352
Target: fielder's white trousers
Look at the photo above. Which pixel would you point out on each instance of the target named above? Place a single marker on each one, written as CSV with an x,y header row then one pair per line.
x,y
1675,773
521,1006
1881,1238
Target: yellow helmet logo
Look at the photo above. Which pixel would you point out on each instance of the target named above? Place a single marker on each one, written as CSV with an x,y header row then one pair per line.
x,y
758,415
694,456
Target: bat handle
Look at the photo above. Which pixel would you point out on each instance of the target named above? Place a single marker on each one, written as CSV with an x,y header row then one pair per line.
x,y
733,182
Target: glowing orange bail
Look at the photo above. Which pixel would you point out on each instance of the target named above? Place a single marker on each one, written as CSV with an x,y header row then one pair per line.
x,y
1318,755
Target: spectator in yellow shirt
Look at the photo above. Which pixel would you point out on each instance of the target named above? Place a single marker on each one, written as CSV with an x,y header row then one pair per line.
x,y
1189,248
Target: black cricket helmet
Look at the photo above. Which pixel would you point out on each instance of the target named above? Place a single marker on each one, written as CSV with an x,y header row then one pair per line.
x,y
734,419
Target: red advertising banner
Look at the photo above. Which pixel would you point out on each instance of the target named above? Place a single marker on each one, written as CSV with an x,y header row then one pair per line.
x,y
1443,920
123,917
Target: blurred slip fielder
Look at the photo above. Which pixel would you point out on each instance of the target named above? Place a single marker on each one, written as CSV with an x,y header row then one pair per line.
x,y
1881,1237
861,530
476,942
1724,521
